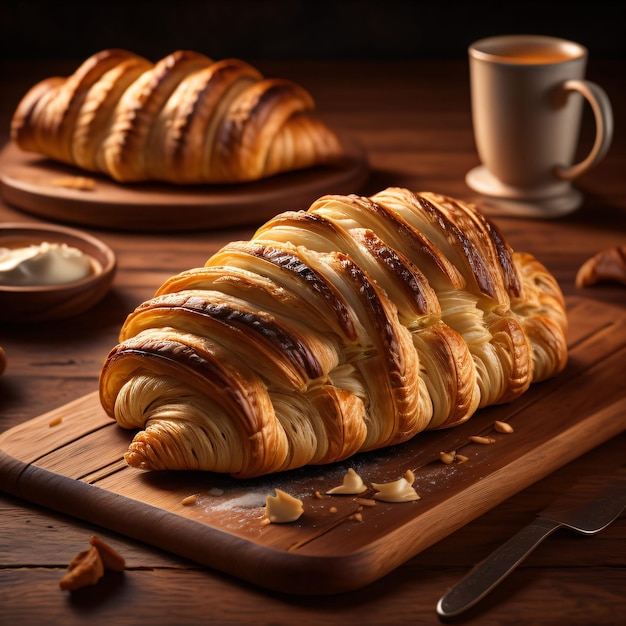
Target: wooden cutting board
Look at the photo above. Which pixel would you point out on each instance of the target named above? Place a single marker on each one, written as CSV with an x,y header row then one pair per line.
x,y
30,182
71,460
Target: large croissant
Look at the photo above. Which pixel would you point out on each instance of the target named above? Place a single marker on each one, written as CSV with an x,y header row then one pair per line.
x,y
348,327
185,119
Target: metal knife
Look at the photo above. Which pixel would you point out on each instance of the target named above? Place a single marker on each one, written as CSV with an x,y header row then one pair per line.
x,y
587,517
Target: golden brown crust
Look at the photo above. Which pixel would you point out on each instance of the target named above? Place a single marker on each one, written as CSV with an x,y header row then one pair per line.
x,y
46,118
134,132
93,123
349,327
185,119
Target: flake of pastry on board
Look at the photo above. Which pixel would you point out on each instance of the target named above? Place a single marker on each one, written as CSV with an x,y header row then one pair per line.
x,y
399,490
352,484
605,266
352,326
186,119
283,508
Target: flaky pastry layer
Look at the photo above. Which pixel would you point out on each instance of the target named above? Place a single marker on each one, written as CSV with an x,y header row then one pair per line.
x,y
352,326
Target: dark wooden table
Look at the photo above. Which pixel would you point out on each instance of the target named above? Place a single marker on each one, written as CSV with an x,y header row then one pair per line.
x,y
414,121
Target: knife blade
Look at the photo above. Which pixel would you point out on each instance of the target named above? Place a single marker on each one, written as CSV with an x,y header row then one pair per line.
x,y
588,517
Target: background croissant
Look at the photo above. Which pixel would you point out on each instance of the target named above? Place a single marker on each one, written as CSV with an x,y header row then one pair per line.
x,y
185,119
348,327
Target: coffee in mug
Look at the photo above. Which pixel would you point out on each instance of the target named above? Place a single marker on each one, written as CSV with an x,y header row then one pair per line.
x,y
527,94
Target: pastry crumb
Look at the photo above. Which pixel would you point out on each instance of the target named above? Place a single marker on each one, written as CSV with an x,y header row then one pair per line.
x,y
365,501
89,566
397,491
283,508
605,266
447,457
110,558
352,485
81,183
503,427
482,440
452,457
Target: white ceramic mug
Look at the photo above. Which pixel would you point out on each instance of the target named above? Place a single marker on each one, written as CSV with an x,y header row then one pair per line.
x,y
527,94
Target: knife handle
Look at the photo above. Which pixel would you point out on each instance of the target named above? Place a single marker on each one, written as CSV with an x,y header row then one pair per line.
x,y
485,575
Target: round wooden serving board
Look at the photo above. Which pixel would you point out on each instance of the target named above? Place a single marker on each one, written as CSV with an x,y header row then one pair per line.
x,y
27,181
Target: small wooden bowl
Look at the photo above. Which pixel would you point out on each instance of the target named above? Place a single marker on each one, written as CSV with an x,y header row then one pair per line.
x,y
55,302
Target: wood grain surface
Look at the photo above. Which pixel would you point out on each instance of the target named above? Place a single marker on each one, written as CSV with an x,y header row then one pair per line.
x,y
413,120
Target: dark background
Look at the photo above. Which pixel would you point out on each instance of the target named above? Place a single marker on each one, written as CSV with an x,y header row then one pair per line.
x,y
298,29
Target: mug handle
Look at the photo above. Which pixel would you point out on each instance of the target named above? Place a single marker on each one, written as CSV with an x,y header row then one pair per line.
x,y
603,114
